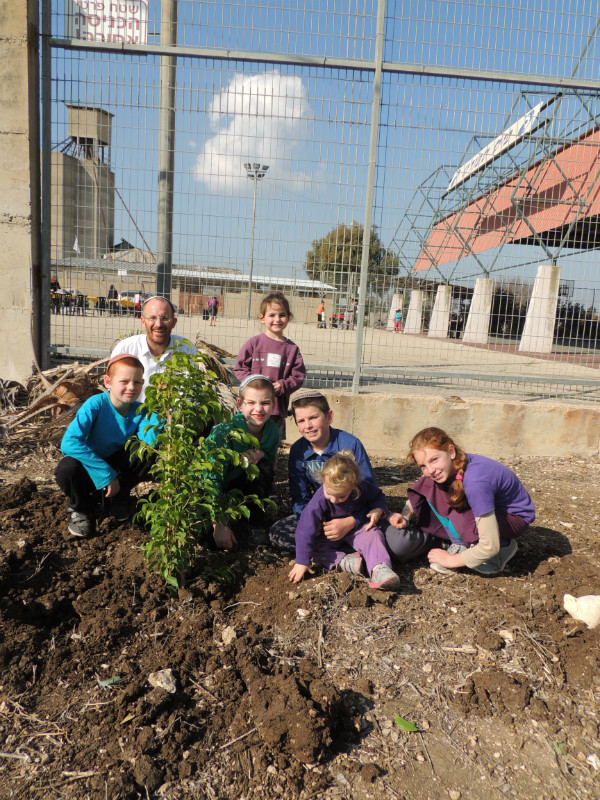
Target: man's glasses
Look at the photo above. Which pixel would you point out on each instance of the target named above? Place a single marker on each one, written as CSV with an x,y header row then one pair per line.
x,y
154,320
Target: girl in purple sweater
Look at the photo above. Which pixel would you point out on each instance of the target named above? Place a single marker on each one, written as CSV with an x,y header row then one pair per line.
x,y
273,355
343,493
468,509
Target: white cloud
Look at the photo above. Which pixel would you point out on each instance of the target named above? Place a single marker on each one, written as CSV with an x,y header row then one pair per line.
x,y
257,118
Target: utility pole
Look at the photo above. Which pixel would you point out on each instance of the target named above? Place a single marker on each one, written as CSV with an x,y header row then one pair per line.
x,y
256,172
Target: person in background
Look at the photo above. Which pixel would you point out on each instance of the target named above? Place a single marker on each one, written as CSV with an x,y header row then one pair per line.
x,y
55,298
398,320
112,298
273,355
213,307
321,323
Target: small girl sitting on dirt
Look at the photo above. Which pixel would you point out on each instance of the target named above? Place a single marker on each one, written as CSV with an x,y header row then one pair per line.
x,y
344,493
474,503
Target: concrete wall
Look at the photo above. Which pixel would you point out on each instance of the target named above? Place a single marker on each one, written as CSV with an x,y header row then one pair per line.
x,y
386,423
18,50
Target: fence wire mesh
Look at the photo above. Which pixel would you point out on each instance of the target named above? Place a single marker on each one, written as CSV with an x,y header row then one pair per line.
x,y
482,268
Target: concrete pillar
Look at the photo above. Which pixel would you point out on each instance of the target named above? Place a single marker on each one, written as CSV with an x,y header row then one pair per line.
x,y
414,316
397,302
440,316
18,69
478,321
538,333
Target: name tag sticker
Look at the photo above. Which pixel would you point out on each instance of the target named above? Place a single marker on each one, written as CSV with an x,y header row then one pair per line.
x,y
273,359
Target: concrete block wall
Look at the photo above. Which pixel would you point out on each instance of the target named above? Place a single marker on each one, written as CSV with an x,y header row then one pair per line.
x,y
386,423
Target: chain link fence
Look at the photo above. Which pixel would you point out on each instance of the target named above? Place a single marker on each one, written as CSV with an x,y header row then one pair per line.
x,y
429,172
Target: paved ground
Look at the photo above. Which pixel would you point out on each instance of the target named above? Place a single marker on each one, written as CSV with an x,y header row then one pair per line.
x,y
387,356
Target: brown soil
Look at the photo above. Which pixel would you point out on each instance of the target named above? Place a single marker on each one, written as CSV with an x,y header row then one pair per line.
x,y
293,692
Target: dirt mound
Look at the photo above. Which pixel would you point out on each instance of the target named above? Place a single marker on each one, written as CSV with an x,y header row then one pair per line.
x,y
244,686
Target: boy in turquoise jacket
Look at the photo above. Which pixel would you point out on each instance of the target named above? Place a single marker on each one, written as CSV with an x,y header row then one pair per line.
x,y
95,462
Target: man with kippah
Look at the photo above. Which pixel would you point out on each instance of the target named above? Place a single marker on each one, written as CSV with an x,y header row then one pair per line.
x,y
154,346
319,442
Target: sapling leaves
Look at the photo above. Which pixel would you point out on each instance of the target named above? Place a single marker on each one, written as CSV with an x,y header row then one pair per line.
x,y
179,514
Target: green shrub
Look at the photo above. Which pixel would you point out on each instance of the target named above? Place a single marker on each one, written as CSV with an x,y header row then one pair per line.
x,y
179,513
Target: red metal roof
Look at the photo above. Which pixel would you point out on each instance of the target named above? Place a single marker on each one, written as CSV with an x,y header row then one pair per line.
x,y
552,194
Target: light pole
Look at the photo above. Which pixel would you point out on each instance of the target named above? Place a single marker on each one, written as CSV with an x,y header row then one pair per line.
x,y
255,172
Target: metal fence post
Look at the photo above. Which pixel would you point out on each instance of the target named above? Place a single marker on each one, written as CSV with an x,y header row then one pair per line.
x,y
166,150
364,265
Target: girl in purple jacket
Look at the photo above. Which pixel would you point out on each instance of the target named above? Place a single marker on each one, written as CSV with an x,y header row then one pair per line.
x,y
343,493
273,355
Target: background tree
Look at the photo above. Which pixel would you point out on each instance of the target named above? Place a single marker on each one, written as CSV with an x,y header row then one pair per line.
x,y
336,258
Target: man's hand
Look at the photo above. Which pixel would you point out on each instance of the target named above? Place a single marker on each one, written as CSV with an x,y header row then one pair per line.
x,y
113,488
336,529
224,537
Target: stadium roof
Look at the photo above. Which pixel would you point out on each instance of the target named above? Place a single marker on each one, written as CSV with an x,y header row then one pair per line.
x,y
533,207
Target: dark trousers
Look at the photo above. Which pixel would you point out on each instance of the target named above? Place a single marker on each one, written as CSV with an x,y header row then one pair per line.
x,y
260,486
74,480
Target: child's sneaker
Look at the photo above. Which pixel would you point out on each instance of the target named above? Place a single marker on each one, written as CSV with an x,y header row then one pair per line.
x,y
495,565
384,578
452,550
81,525
352,563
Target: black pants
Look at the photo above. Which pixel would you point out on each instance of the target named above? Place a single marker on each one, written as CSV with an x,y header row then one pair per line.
x,y
260,486
74,480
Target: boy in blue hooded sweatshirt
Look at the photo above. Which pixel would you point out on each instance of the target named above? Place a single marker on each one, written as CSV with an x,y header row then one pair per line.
x,y
95,459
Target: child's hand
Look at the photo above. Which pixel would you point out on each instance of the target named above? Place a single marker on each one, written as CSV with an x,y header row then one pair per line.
x,y
440,556
398,521
374,517
298,571
224,537
336,529
278,387
113,488
254,456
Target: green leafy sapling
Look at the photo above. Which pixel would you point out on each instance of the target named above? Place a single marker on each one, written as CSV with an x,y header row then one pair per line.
x,y
179,513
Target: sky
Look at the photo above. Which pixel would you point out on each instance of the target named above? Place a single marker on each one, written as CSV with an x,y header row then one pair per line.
x,y
311,125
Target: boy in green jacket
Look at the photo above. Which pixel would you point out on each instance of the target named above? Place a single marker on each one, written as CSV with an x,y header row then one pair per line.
x,y
255,401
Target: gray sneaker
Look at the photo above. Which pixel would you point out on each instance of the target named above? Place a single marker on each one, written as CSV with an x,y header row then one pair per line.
x,y
81,525
352,563
384,578
495,565
452,551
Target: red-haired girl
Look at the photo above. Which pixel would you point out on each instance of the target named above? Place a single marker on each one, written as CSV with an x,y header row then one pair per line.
x,y
474,503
